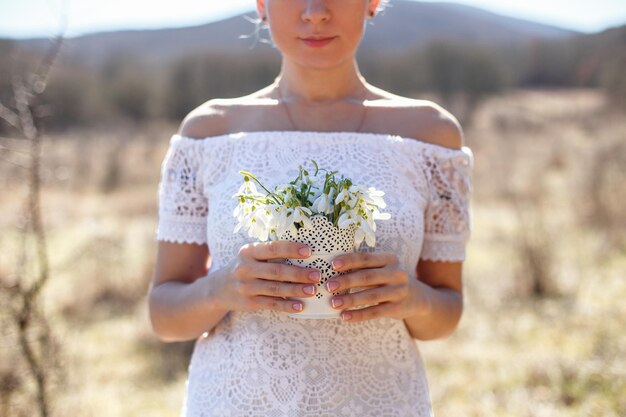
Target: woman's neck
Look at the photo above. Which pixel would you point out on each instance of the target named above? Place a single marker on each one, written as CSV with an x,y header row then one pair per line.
x,y
320,86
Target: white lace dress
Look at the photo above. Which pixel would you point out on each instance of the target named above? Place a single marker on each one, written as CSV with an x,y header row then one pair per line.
x,y
268,364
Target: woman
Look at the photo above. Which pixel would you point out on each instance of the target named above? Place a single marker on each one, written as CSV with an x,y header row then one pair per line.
x,y
250,358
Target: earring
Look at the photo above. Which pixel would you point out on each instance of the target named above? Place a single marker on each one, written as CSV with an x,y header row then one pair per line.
x,y
371,13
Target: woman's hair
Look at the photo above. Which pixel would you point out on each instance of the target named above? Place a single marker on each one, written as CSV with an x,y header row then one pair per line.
x,y
258,25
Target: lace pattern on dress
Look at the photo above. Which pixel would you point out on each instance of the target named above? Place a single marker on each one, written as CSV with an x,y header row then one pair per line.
x,y
447,219
183,207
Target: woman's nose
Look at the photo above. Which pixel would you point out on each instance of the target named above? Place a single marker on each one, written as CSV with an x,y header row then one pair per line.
x,y
315,11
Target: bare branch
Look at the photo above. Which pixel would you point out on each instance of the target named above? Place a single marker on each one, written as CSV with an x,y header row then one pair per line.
x,y
12,138
17,164
40,77
25,310
24,111
9,116
6,148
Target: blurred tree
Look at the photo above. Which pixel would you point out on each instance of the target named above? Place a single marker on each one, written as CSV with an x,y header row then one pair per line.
x,y
404,74
131,94
454,68
551,63
8,61
6,51
195,79
129,87
614,80
483,75
462,75
445,68
69,90
181,97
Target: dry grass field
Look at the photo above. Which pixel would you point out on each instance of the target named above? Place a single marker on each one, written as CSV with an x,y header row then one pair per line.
x,y
545,278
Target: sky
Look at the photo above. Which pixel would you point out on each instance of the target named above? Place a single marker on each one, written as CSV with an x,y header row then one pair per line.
x,y
43,18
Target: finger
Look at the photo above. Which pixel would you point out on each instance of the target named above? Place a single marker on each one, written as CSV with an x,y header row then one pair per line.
x,y
363,260
276,249
277,304
368,297
278,289
363,278
369,313
283,272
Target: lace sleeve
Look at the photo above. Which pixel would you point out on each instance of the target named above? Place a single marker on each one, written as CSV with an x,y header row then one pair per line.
x,y
447,221
183,207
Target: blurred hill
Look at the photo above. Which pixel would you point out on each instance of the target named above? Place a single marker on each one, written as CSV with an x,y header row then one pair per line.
x,y
404,25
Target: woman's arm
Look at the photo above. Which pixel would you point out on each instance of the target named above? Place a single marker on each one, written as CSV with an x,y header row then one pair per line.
x,y
183,307
440,290
439,283
183,300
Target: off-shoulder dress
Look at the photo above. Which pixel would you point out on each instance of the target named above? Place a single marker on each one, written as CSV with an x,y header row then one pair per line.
x,y
268,364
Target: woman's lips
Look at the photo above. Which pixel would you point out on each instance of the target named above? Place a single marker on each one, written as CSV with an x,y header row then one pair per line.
x,y
317,43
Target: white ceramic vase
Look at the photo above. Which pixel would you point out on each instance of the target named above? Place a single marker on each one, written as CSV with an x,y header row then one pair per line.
x,y
327,242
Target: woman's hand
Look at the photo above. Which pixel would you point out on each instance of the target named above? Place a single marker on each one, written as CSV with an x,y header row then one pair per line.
x,y
398,295
252,281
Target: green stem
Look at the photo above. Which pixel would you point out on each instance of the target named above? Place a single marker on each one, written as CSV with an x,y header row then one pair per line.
x,y
258,200
306,195
279,200
316,167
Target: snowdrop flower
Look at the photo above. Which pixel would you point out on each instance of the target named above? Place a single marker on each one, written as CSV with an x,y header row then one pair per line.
x,y
258,230
301,214
366,232
243,213
377,215
370,195
347,218
268,215
359,237
343,196
248,187
323,204
282,220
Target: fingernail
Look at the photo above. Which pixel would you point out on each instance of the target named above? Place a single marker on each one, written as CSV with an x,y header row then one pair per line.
x,y
305,251
315,276
346,316
336,302
337,263
332,285
309,289
297,306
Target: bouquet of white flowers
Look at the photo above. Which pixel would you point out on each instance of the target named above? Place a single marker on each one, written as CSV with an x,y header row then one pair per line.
x,y
290,206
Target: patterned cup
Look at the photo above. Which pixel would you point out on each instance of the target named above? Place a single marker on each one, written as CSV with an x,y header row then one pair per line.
x,y
326,242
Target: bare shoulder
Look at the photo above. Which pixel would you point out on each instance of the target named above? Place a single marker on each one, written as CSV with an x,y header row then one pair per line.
x,y
440,126
208,119
423,120
220,116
